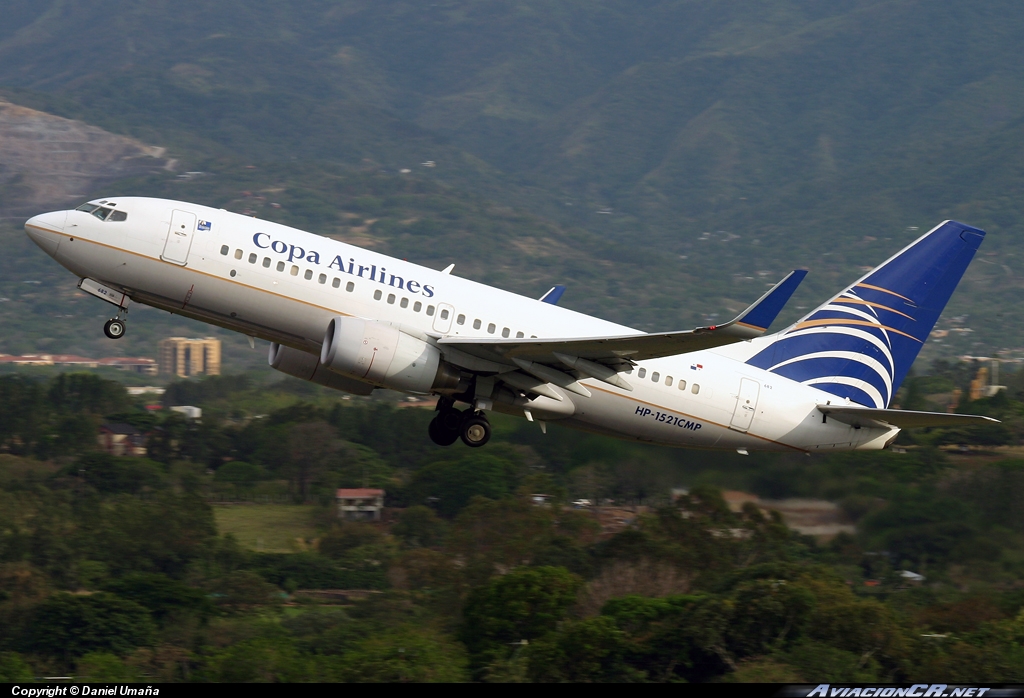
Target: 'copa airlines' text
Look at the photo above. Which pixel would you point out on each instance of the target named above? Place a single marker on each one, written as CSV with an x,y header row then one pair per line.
x,y
381,275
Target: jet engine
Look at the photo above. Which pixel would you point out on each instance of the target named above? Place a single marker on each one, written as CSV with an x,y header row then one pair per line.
x,y
387,357
308,368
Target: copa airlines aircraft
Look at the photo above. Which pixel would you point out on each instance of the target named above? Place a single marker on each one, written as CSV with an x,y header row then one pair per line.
x,y
355,320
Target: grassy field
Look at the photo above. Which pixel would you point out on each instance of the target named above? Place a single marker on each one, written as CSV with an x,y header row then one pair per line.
x,y
268,528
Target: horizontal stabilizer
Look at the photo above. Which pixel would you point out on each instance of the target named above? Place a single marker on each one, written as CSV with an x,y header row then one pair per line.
x,y
904,419
751,323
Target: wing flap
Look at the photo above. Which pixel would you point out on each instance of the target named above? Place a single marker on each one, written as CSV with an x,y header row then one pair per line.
x,y
904,419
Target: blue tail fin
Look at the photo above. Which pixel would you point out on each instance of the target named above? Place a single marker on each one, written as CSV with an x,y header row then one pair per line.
x,y
861,343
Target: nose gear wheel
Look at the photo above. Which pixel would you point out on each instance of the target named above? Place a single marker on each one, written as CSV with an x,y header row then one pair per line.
x,y
114,328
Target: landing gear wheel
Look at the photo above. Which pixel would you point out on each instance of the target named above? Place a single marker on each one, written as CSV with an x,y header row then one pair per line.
x,y
114,328
476,430
440,434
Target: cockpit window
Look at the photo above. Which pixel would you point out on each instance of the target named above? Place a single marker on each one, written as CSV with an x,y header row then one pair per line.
x,y
88,208
101,213
118,216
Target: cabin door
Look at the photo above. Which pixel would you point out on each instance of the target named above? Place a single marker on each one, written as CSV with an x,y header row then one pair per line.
x,y
746,403
179,237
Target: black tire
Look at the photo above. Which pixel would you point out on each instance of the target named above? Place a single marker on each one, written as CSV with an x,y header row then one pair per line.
x,y
114,329
439,435
450,420
476,431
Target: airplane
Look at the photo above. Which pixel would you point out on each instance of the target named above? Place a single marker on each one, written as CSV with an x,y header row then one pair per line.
x,y
355,320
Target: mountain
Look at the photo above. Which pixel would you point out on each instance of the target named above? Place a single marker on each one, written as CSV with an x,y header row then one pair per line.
x,y
682,152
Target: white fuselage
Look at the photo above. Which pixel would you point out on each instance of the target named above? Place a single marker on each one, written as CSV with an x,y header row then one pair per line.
x,y
284,285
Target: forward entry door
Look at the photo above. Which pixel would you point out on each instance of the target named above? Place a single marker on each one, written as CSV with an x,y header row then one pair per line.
x,y
179,237
746,403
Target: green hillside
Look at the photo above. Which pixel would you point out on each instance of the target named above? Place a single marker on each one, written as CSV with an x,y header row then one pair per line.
x,y
663,158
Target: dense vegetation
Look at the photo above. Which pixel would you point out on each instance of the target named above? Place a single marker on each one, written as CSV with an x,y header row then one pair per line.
x,y
114,568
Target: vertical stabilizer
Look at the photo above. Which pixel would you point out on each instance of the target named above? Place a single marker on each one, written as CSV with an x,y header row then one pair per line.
x,y
861,343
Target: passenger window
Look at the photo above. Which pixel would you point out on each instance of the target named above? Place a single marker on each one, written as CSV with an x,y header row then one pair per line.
x,y
266,262
682,385
308,275
119,216
224,249
461,320
695,389
322,278
642,373
668,381
430,310
476,324
391,298
504,332
416,306
519,335
350,287
444,313
280,266
490,328
404,303
335,282
238,254
295,270
377,294
252,258
655,377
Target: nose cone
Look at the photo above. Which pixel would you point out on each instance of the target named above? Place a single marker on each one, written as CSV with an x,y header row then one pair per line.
x,y
45,230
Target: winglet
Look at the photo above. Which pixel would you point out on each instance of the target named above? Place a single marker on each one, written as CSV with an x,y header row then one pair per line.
x,y
553,295
755,320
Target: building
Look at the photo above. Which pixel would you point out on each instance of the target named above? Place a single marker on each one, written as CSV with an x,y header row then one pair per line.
x,y
137,365
119,439
144,366
360,504
190,357
189,411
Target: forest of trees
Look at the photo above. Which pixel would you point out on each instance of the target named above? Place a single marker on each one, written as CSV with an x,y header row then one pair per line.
x,y
113,568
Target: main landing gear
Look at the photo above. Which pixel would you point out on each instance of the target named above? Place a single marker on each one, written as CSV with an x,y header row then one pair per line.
x,y
115,327
449,425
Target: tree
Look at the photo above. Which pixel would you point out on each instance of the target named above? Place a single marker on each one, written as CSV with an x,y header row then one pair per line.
x,y
590,650
112,474
419,526
14,668
66,626
524,604
311,447
160,594
453,483
405,655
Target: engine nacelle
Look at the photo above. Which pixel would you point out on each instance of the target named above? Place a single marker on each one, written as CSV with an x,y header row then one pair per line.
x,y
386,356
308,368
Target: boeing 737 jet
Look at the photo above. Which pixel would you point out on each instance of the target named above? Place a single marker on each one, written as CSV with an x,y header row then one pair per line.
x,y
355,320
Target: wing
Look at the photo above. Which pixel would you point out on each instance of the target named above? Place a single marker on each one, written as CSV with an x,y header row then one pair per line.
x,y
604,357
904,419
751,323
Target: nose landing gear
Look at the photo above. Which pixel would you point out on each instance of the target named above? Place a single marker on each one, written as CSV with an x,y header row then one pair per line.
x,y
449,425
115,327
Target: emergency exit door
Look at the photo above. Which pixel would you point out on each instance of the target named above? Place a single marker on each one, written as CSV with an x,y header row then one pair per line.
x,y
746,403
179,237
